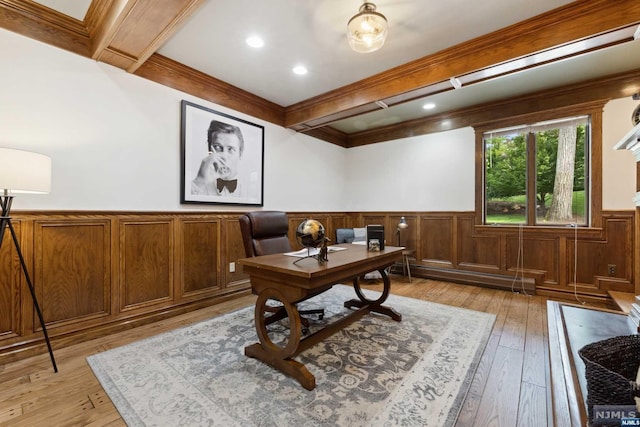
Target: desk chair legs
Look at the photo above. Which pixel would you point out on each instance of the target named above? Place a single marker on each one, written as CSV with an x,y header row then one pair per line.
x,y
280,312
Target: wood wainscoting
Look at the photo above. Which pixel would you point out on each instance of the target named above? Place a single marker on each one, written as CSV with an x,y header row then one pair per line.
x,y
99,272
96,273
562,262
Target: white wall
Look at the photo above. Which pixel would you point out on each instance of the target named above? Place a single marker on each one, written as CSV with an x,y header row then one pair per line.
x,y
432,172
619,166
436,172
114,139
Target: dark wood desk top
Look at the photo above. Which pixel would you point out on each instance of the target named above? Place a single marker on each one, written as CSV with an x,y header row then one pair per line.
x,y
308,273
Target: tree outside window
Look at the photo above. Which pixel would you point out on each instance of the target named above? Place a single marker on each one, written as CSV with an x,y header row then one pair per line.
x,y
543,166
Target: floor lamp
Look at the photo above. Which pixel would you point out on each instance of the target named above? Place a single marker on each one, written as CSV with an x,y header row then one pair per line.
x,y
401,226
23,172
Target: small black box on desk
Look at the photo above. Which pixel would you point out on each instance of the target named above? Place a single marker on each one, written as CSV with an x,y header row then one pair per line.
x,y
375,237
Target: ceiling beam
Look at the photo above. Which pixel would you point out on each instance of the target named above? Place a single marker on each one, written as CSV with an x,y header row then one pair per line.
x,y
329,134
168,72
579,20
46,25
611,87
125,33
122,33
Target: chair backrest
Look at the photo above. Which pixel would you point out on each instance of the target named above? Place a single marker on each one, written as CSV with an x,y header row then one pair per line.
x,y
344,235
265,232
349,235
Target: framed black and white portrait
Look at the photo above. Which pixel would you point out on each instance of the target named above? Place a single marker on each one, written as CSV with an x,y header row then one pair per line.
x,y
222,158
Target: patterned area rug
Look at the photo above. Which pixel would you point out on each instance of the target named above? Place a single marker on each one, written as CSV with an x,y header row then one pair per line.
x,y
375,372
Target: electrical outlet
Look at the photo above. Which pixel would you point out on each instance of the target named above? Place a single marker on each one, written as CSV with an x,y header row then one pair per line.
x,y
232,267
612,269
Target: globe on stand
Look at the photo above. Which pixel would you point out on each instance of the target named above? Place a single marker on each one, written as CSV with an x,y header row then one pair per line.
x,y
311,235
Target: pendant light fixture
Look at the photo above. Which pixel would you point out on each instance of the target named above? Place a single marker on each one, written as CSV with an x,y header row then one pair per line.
x,y
367,30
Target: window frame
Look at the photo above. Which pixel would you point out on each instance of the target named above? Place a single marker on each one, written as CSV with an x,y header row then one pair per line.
x,y
594,161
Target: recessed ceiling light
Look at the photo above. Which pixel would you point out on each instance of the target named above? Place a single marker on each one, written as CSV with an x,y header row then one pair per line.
x,y
429,106
255,41
300,70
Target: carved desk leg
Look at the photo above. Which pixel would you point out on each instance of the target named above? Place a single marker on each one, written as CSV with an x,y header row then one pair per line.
x,y
279,357
374,305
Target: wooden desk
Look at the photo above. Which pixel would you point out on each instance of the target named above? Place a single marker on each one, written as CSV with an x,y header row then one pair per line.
x,y
276,277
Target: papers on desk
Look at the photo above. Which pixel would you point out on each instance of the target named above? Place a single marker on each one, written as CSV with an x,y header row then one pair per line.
x,y
313,251
303,252
364,242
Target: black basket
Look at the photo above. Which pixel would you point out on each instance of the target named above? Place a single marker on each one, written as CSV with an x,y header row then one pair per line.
x,y
611,367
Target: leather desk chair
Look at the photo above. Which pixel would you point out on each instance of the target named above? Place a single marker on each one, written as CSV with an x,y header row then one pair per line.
x,y
265,233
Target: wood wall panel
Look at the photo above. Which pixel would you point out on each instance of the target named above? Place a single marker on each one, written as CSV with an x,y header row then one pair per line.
x,y
72,268
408,236
539,255
201,256
373,218
337,221
594,257
438,242
107,271
477,251
9,286
146,262
232,251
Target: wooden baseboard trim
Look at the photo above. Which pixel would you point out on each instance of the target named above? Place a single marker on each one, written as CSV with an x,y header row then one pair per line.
x,y
622,300
37,345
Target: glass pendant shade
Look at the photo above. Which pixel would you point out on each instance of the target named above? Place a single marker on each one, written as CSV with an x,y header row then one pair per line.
x,y
367,30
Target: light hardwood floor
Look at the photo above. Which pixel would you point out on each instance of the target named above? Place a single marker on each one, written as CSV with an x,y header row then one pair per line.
x,y
509,388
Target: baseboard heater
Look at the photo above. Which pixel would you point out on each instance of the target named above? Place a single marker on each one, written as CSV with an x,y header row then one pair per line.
x,y
487,280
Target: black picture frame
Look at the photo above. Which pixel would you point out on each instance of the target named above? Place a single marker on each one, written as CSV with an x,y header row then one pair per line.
x,y
206,163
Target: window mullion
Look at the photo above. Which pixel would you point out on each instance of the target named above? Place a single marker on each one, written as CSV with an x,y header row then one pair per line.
x,y
531,178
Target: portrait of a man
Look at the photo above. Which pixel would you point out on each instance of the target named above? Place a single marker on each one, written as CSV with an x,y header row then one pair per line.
x,y
222,158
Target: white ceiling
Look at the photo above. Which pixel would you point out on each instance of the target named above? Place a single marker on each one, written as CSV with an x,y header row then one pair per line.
x,y
312,33
74,8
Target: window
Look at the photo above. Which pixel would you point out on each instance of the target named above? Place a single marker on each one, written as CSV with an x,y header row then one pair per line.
x,y
538,174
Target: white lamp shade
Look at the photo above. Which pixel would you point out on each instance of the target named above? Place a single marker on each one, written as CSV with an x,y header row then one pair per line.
x,y
403,224
24,171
